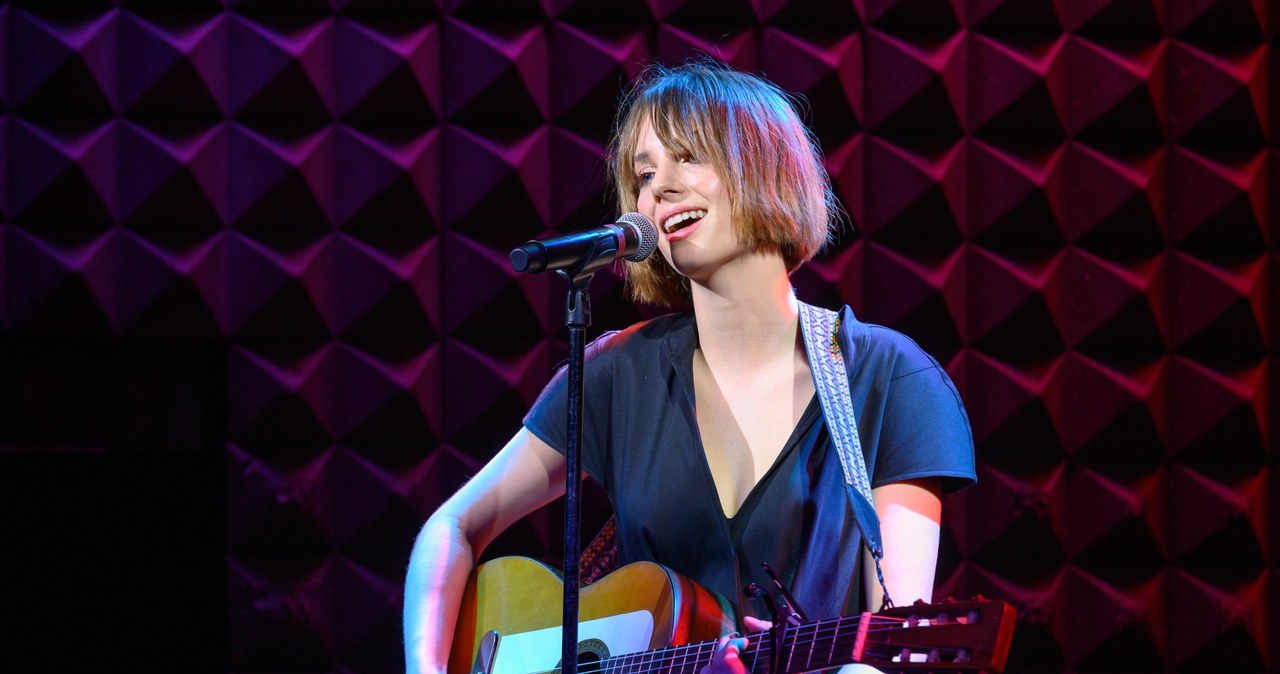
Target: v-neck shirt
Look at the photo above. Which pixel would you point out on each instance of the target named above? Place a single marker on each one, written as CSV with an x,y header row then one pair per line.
x,y
641,442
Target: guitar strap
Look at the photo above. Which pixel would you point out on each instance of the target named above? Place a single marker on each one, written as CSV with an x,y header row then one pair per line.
x,y
827,357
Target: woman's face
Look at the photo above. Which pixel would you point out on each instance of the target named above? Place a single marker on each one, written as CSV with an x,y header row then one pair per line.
x,y
689,203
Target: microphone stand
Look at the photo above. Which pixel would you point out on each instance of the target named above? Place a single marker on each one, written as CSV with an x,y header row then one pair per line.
x,y
577,319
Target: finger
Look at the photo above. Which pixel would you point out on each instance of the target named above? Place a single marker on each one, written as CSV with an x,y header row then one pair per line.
x,y
756,624
727,658
722,648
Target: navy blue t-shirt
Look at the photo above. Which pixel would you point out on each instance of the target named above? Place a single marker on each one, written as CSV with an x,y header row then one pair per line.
x,y
641,442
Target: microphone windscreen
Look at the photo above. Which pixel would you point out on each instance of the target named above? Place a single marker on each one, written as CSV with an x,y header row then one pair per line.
x,y
646,235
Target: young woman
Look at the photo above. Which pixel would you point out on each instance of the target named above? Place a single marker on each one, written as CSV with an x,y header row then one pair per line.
x,y
703,425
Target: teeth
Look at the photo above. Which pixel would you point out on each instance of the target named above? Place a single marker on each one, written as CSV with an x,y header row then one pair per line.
x,y
676,221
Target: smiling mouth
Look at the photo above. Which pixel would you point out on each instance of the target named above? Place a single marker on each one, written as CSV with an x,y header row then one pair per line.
x,y
679,221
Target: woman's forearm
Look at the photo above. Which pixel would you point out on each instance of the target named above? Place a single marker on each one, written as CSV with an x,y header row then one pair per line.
x,y
437,575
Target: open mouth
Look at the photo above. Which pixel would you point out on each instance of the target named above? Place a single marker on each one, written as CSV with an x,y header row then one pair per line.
x,y
679,221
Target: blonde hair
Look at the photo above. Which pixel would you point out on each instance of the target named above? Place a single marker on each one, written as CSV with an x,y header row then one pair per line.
x,y
747,129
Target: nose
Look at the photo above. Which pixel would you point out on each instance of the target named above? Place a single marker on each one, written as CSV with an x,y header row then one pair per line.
x,y
666,180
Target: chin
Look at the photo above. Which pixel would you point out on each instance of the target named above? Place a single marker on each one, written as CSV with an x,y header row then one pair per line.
x,y
689,269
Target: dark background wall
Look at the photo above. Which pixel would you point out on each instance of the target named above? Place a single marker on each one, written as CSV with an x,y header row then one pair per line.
x,y
256,320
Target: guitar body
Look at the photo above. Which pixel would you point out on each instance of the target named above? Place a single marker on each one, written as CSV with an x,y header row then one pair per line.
x,y
517,595
645,619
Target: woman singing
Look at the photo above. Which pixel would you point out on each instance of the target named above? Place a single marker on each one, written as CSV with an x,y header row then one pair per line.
x,y
704,426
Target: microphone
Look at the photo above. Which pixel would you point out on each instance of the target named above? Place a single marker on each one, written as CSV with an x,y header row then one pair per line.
x,y
633,238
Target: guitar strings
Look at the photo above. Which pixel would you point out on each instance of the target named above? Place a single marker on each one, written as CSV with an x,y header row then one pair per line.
x,y
827,633
701,656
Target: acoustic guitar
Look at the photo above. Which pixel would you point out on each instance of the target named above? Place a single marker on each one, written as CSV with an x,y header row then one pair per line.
x,y
646,619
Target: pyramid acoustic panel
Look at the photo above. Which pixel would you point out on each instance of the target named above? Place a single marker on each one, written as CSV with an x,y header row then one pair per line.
x,y
257,320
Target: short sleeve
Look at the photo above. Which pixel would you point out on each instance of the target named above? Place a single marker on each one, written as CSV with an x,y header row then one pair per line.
x,y
910,417
547,419
925,431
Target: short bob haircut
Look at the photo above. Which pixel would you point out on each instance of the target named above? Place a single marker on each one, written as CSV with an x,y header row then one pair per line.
x,y
748,130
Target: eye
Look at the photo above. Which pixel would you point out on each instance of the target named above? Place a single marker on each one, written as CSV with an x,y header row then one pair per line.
x,y
644,177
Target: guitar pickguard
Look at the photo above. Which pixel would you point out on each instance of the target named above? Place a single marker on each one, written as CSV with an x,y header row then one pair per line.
x,y
539,650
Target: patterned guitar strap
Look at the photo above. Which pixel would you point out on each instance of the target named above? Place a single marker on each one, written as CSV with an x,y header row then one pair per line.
x,y
820,328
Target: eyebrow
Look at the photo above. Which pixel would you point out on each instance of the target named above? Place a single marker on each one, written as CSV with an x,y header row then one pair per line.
x,y
640,158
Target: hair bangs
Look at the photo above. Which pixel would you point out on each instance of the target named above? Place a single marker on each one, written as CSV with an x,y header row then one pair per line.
x,y
688,119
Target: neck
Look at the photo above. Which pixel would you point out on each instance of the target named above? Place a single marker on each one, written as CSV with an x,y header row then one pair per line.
x,y
748,314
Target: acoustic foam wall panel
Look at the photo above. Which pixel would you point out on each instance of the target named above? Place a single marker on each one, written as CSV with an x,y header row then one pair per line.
x,y
266,240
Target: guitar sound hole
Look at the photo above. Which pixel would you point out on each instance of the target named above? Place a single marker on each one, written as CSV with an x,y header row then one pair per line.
x,y
590,652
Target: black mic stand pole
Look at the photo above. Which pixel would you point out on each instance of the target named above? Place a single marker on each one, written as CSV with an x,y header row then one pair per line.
x,y
577,319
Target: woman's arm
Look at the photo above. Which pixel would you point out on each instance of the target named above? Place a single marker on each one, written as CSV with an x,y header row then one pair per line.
x,y
524,476
910,521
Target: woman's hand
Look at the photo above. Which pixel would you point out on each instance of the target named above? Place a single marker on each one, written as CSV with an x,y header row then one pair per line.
x,y
727,658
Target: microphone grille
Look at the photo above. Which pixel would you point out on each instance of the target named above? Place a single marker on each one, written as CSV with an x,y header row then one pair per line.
x,y
646,235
